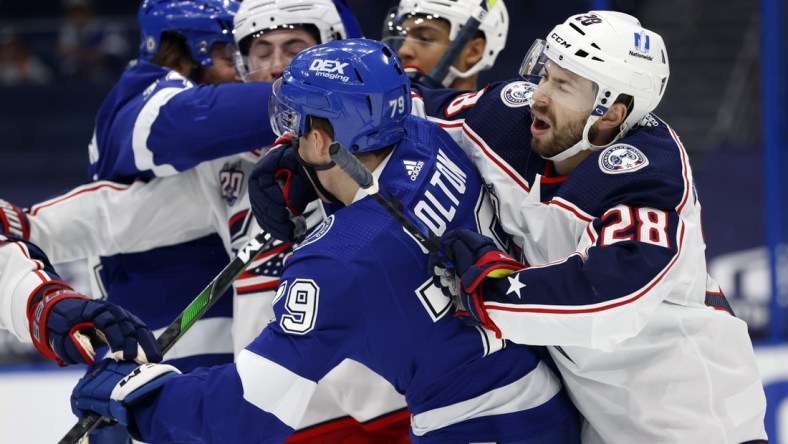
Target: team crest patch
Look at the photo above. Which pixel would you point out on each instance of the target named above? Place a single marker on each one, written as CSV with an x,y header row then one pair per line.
x,y
319,231
621,158
517,94
231,181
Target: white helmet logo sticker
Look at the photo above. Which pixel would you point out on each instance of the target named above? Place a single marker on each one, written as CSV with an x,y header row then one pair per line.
x,y
517,94
621,158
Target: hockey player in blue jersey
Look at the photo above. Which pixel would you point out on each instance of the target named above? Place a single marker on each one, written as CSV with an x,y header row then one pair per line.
x,y
598,193
340,299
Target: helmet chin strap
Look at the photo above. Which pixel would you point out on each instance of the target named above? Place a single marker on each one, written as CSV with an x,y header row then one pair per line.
x,y
584,143
312,170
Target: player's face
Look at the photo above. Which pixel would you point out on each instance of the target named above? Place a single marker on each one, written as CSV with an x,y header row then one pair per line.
x,y
270,53
562,104
424,42
223,69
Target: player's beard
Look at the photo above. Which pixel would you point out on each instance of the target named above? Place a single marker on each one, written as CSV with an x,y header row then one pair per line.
x,y
562,136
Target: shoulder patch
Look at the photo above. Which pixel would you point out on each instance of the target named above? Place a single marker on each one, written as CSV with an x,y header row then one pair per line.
x,y
517,94
319,231
621,158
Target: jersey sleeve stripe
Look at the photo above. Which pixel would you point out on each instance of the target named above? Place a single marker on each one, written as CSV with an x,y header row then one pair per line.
x,y
530,391
614,303
519,180
684,170
77,191
143,156
273,388
566,205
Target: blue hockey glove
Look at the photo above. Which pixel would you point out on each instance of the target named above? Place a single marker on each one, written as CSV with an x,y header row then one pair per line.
x,y
110,387
66,326
475,258
13,221
279,191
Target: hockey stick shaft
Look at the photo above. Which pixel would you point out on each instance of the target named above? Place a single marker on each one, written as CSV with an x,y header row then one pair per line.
x,y
359,173
463,37
196,308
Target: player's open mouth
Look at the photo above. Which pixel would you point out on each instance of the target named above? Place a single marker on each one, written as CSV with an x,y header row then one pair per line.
x,y
539,125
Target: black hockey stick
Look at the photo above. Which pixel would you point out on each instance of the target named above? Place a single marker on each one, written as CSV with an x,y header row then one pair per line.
x,y
463,37
187,318
358,172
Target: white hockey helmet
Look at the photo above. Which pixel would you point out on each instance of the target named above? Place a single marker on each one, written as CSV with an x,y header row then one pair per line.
x,y
257,16
615,52
495,26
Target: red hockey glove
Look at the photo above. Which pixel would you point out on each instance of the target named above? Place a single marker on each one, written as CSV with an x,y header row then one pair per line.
x,y
13,221
66,326
475,258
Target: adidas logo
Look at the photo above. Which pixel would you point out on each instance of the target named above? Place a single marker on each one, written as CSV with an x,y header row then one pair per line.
x,y
413,168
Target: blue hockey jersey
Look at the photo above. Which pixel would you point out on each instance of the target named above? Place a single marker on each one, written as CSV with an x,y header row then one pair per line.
x,y
358,288
156,122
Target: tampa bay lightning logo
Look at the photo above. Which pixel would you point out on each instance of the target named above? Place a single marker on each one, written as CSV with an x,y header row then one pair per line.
x,y
318,232
231,181
517,94
621,158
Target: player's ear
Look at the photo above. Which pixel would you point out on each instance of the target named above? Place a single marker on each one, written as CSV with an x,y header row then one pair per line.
x,y
322,141
614,116
471,54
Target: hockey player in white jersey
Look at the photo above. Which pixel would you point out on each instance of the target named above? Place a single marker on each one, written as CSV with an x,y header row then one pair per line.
x,y
422,30
599,195
461,385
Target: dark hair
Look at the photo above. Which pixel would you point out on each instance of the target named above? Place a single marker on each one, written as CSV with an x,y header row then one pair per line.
x,y
173,51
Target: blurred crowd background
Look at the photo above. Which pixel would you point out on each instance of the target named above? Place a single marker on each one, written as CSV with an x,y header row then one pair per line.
x,y
59,58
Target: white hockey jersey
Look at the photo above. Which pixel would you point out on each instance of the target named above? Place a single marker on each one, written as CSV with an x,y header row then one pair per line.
x,y
617,284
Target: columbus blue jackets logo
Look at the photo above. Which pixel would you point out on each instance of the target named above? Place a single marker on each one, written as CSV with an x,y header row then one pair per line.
x,y
231,181
621,158
517,94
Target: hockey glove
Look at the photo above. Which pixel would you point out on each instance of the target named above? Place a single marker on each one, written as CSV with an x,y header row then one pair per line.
x,y
13,221
66,326
111,387
475,258
279,191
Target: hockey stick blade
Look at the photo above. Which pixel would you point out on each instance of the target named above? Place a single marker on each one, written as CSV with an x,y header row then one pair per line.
x,y
463,37
196,308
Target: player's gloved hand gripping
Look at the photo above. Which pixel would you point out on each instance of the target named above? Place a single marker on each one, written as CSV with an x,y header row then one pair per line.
x,y
279,191
476,257
66,326
110,387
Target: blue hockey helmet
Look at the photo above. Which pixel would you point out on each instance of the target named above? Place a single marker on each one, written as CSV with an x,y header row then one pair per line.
x,y
357,84
201,22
